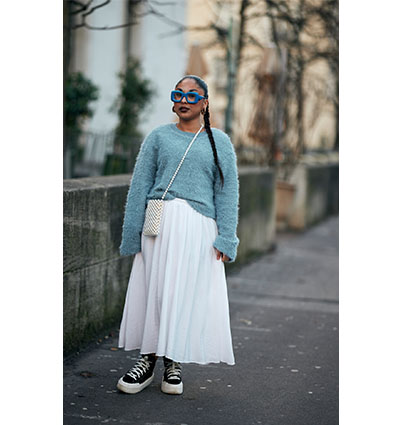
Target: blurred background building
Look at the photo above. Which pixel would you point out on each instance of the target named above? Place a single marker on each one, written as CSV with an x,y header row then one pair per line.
x,y
271,67
272,71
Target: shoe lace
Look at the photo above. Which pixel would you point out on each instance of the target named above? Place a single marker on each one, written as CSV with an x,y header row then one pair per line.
x,y
139,368
173,370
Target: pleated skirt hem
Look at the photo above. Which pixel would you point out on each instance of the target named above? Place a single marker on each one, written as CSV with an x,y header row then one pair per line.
x,y
177,303
180,359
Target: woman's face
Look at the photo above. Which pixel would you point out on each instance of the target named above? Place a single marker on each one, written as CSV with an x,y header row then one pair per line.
x,y
189,111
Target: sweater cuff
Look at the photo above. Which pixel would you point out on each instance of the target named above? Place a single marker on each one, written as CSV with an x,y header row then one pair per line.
x,y
227,246
130,247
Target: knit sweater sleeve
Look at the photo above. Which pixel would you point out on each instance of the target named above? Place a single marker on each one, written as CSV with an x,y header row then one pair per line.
x,y
141,182
227,203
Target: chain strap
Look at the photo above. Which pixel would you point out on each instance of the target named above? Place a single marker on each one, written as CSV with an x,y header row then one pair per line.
x,y
181,162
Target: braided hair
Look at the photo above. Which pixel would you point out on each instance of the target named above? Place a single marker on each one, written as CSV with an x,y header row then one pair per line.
x,y
203,85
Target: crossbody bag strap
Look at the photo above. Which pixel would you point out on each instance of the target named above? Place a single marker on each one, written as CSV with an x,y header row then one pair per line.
x,y
181,162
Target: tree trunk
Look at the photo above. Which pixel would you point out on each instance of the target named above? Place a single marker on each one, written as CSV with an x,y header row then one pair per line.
x,y
67,165
336,145
300,109
231,85
236,44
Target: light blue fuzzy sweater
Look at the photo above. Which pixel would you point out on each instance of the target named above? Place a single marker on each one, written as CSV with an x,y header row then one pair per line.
x,y
197,182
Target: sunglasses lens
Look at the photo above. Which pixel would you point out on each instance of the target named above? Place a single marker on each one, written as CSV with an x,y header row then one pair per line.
x,y
176,95
192,97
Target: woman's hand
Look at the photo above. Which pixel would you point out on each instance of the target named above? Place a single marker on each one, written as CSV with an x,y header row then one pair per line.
x,y
221,255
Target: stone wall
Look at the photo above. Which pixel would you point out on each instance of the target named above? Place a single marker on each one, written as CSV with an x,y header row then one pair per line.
x,y
96,276
316,194
256,228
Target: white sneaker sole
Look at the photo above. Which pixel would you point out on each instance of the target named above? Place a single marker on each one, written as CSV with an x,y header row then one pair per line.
x,y
133,388
171,389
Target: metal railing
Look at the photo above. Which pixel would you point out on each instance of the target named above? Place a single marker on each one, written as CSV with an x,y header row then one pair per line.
x,y
91,154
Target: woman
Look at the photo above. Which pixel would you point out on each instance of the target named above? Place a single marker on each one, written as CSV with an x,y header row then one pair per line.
x,y
176,303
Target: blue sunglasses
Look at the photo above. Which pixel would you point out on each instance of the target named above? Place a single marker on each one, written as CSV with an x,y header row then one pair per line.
x,y
191,97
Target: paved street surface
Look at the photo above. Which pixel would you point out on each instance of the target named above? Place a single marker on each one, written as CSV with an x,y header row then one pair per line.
x,y
284,321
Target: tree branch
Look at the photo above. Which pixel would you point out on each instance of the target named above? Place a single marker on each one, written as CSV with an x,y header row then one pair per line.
x,y
96,7
82,6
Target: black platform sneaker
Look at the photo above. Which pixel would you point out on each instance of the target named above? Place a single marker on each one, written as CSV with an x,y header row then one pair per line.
x,y
139,376
171,382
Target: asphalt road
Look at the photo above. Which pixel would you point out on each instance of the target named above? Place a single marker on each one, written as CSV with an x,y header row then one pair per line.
x,y
284,321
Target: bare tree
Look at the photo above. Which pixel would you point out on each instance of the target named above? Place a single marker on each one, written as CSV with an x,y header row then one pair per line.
x,y
231,36
327,14
305,30
76,14
308,31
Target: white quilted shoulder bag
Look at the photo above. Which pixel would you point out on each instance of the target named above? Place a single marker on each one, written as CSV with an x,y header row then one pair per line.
x,y
154,210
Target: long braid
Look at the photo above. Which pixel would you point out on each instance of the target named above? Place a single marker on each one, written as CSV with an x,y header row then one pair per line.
x,y
203,85
212,141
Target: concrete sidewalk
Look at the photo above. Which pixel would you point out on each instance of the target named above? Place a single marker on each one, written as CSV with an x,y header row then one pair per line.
x,y
284,321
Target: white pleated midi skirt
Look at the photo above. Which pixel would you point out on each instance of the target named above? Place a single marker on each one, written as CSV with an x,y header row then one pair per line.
x,y
177,300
